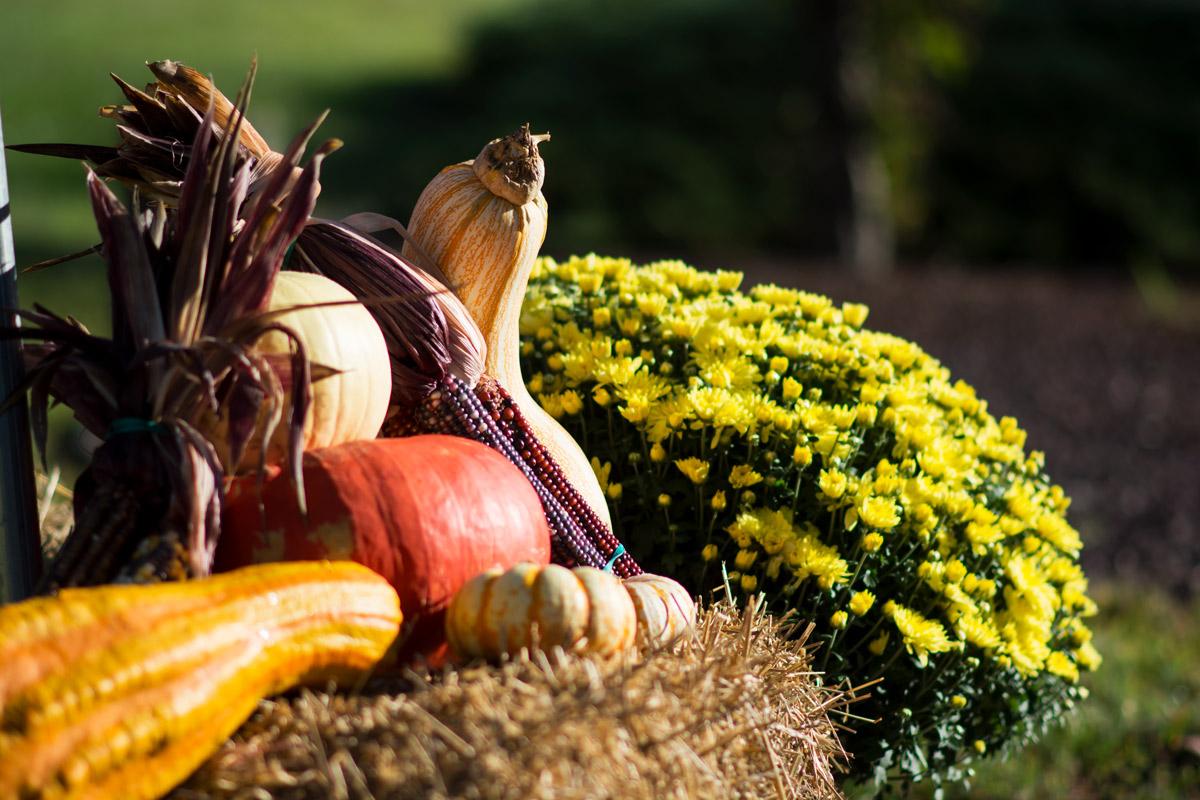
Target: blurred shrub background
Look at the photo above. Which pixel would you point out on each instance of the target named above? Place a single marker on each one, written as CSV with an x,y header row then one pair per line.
x,y
1014,184
975,131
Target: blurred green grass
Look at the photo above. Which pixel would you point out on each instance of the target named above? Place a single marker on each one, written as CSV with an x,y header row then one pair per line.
x,y
54,65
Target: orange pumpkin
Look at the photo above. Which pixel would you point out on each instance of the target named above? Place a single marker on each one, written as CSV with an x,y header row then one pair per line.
x,y
665,610
583,610
426,512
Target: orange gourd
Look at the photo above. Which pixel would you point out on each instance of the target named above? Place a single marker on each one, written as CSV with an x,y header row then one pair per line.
x,y
426,512
583,610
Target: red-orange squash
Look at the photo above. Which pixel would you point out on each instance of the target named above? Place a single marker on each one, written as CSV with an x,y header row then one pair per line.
x,y
426,512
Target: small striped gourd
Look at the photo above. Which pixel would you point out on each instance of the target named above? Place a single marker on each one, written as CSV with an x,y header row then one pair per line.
x,y
120,692
665,610
583,610
482,222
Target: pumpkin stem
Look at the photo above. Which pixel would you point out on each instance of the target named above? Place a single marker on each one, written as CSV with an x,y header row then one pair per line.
x,y
511,167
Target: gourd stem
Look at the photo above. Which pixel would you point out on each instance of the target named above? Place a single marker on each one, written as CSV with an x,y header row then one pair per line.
x,y
511,167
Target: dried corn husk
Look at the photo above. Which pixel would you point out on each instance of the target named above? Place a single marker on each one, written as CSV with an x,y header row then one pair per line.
x,y
188,290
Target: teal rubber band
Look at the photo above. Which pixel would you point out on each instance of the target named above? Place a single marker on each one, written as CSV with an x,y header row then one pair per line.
x,y
620,551
133,425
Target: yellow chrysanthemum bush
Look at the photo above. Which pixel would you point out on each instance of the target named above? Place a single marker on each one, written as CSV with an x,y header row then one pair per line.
x,y
840,471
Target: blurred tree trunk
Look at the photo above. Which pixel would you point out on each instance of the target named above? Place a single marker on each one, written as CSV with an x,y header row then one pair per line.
x,y
866,238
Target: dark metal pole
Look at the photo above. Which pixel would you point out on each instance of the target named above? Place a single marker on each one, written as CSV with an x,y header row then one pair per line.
x,y
20,541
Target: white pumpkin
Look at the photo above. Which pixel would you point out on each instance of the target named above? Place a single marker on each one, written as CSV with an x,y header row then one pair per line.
x,y
665,610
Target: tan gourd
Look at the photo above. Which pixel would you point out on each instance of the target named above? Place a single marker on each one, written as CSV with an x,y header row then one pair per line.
x,y
482,223
583,610
665,610
348,406
120,692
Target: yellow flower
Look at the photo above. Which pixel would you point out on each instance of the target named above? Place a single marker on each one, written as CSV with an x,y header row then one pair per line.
x,y
552,403
629,323
590,282
921,636
709,552
1062,666
728,280
601,317
958,701
980,746
571,402
791,389
651,304
601,396
745,559
854,314
602,471
664,500
802,456
832,483
838,619
657,453
614,491
861,602
955,571
778,364
878,512
872,542
866,414
879,644
749,583
743,475
1088,657
695,469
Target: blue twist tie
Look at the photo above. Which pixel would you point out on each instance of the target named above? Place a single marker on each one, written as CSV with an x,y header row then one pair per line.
x,y
620,551
133,425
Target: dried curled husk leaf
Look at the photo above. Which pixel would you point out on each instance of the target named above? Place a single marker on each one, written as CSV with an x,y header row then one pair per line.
x,y
428,331
188,289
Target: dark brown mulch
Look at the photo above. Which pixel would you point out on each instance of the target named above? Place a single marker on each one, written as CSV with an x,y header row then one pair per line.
x,y
1107,389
